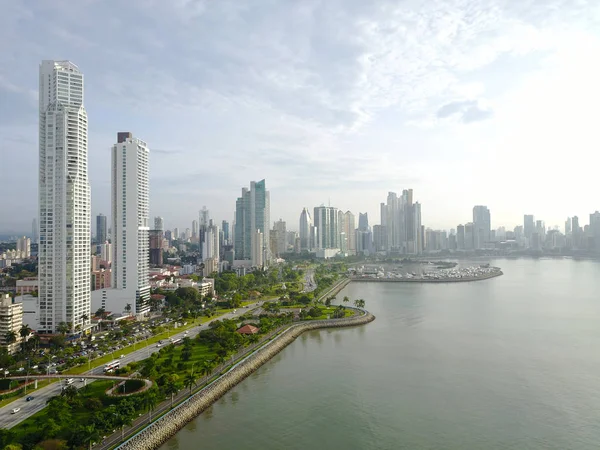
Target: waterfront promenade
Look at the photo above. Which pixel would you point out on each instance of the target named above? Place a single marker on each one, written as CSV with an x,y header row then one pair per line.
x,y
171,422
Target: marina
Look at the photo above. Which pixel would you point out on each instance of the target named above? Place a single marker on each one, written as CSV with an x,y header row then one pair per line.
x,y
455,274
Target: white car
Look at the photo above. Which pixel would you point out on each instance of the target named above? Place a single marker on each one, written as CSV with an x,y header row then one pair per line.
x,y
15,410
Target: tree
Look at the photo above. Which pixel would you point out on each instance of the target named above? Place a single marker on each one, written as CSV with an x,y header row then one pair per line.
x,y
25,331
346,299
128,308
63,328
93,404
328,301
10,337
122,421
149,401
356,302
190,381
69,392
51,428
89,435
172,387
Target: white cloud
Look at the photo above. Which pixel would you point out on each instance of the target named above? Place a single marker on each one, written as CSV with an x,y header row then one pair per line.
x,y
335,98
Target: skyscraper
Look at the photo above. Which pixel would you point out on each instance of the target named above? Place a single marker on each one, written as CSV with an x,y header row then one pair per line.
x,y
156,245
225,228
326,224
130,224
402,220
280,237
460,237
252,219
159,223
194,235
363,221
349,228
305,224
528,225
482,226
100,228
34,232
64,199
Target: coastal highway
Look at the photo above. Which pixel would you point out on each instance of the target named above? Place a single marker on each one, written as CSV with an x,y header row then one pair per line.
x,y
41,396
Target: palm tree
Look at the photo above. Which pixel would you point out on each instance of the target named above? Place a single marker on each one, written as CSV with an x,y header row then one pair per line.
x,y
150,401
10,337
362,303
207,368
190,381
356,302
346,299
25,331
90,435
128,308
171,387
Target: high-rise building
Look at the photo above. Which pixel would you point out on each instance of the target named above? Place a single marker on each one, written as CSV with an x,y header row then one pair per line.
x,y
326,224
482,226
175,233
130,224
379,238
280,231
528,225
100,228
305,224
34,232
363,221
194,235
210,247
469,236
64,199
402,222
349,228
106,252
252,220
24,247
156,247
159,223
460,237
595,230
225,228
568,226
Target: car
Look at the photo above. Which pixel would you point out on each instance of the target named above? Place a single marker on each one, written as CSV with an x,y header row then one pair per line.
x,y
82,379
28,399
122,356
15,410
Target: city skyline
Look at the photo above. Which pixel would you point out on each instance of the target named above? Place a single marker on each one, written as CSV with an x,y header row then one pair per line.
x,y
448,122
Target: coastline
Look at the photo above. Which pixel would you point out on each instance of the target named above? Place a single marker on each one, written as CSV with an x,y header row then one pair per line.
x,y
161,430
429,280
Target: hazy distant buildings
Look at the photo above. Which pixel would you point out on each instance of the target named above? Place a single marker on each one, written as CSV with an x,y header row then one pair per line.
x,y
349,227
327,229
101,229
280,234
402,220
482,226
363,221
159,223
528,225
460,237
34,232
194,236
24,247
64,199
305,230
156,247
252,221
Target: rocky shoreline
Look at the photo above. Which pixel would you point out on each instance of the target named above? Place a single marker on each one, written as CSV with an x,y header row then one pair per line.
x,y
157,433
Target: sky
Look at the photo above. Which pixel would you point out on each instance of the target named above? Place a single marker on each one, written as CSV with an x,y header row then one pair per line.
x,y
331,101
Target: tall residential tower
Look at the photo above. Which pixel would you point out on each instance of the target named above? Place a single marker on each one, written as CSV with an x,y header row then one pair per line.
x,y
64,199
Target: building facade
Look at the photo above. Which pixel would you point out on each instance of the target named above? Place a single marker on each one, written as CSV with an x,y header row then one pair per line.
x,y
101,231
64,198
11,320
327,229
252,223
304,230
130,224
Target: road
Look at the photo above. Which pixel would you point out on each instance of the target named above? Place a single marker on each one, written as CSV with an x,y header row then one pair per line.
x,y
41,396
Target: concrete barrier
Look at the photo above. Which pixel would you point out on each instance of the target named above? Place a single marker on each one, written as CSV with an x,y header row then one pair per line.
x,y
157,433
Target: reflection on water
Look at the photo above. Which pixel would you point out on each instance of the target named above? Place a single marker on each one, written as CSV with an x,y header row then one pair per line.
x,y
191,427
503,364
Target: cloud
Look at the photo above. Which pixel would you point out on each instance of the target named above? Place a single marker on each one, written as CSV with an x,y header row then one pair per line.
x,y
467,110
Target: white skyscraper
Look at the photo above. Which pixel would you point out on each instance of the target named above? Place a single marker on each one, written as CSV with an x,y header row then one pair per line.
x,y
130,224
64,199
305,224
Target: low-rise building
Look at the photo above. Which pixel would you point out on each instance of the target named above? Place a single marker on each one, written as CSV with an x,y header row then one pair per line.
x,y
11,320
27,285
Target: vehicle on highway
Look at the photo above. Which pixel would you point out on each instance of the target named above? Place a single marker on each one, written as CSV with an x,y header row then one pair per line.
x,y
122,356
69,381
82,379
113,365
28,399
15,410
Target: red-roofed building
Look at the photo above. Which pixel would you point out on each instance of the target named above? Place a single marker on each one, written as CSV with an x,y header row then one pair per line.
x,y
248,329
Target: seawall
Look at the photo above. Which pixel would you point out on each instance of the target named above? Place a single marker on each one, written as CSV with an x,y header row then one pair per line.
x,y
427,280
157,433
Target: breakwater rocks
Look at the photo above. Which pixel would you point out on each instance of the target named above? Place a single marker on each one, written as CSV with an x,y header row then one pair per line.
x,y
156,434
